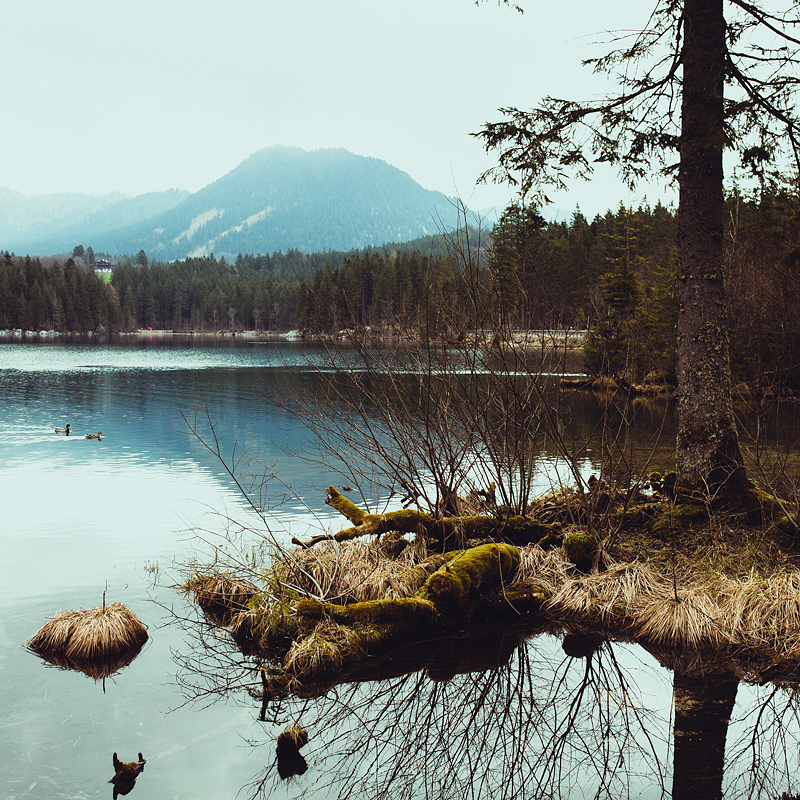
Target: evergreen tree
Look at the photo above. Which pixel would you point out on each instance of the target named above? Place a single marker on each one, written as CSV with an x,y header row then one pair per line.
x,y
693,48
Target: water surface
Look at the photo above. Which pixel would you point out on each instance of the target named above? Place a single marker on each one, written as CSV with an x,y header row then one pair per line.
x,y
80,518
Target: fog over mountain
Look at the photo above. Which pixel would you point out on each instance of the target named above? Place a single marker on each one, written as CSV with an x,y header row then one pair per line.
x,y
44,224
278,199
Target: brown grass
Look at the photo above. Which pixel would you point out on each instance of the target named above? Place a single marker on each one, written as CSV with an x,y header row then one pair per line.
x,y
707,611
98,641
324,651
348,572
694,620
220,596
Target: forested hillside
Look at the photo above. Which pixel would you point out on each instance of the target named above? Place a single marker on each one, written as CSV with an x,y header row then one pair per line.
x,y
279,198
615,276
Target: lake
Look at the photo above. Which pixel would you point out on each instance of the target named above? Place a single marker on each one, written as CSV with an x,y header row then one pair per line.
x,y
119,516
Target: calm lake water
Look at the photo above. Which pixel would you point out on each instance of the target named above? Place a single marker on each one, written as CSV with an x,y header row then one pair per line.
x,y
80,518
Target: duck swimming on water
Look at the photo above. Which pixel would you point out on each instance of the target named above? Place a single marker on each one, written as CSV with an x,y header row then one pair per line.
x,y
63,430
94,435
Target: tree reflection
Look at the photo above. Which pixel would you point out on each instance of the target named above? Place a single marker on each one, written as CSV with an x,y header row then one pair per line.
x,y
532,722
498,714
703,705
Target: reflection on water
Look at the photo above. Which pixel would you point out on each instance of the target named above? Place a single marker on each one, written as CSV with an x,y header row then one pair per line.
x,y
125,775
489,717
443,721
81,518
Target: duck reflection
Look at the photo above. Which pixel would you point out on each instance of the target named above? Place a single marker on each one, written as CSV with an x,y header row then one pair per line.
x,y
125,774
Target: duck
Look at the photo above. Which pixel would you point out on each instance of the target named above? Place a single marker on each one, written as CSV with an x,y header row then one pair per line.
x,y
94,435
63,430
125,774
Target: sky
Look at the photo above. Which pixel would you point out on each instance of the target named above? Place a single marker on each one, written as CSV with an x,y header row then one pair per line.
x,y
157,94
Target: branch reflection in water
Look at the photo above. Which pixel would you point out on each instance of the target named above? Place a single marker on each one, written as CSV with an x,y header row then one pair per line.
x,y
484,715
509,713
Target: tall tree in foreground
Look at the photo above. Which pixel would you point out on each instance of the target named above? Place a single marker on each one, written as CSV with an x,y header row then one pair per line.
x,y
672,80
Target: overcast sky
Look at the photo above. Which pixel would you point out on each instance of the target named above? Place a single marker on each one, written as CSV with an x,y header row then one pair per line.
x,y
155,94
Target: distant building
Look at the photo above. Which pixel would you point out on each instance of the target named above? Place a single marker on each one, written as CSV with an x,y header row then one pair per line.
x,y
101,265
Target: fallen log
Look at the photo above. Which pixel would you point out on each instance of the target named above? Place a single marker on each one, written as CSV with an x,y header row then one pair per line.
x,y
440,533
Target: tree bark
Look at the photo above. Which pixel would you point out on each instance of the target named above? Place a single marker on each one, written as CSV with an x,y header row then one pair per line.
x,y
703,707
708,453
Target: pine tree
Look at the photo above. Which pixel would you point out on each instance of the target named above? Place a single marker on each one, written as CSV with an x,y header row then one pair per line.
x,y
672,79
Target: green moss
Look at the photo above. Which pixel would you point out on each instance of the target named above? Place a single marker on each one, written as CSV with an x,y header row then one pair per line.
x,y
454,588
761,506
635,514
415,577
403,521
412,612
345,507
580,548
680,517
785,525
551,540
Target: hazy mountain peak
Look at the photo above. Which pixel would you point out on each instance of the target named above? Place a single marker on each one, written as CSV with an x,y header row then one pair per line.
x,y
279,198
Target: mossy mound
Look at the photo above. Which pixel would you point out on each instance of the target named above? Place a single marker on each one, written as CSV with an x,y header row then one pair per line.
x,y
679,518
580,548
267,627
455,588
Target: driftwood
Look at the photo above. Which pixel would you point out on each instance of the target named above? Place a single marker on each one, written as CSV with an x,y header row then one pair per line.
x,y
447,531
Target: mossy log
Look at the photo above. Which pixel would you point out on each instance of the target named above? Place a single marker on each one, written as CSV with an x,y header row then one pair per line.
x,y
444,532
581,548
449,596
456,588
340,637
412,613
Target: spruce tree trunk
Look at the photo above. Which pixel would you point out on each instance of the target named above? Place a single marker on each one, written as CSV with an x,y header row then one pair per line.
x,y
703,707
708,454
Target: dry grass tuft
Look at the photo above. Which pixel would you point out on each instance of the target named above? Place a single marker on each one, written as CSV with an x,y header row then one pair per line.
x,y
610,597
765,611
347,572
324,651
545,569
708,612
99,641
694,620
220,596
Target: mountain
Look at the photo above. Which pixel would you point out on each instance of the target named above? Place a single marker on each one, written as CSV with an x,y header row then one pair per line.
x,y
278,199
57,222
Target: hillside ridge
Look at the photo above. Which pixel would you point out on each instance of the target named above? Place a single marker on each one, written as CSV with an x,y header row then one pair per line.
x,y
279,198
